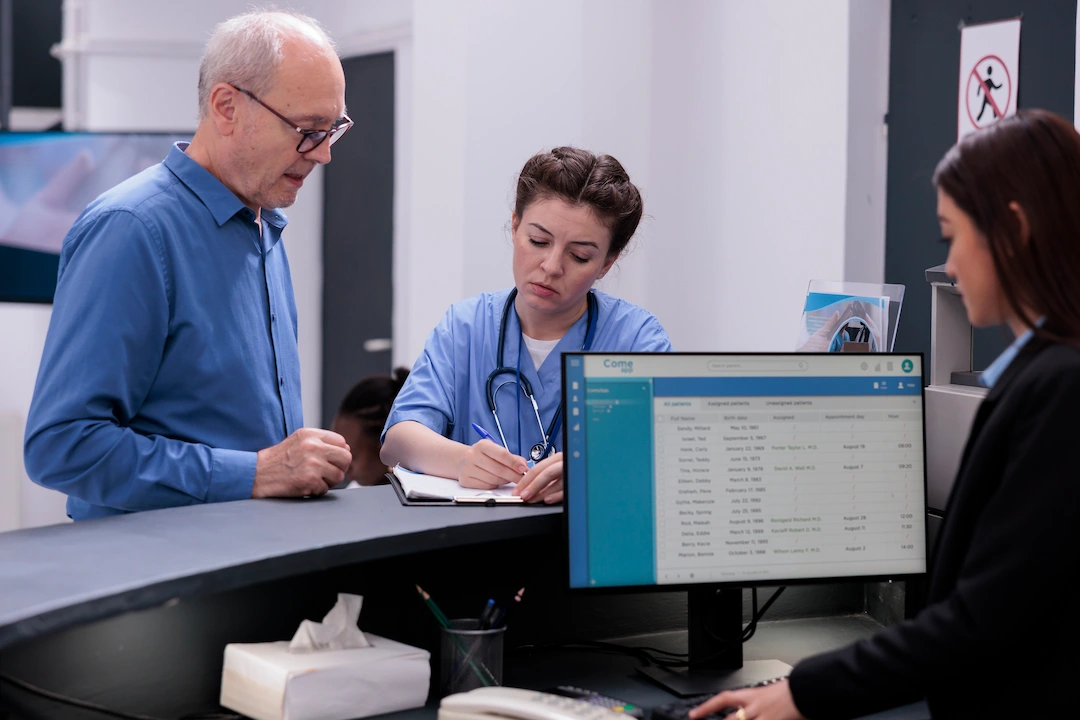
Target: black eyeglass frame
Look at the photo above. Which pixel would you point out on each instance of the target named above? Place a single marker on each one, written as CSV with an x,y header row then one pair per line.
x,y
339,128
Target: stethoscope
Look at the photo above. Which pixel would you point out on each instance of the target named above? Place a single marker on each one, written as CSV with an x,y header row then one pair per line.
x,y
536,453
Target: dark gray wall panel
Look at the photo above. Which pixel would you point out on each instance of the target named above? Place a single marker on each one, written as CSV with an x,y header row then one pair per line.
x,y
37,26
358,233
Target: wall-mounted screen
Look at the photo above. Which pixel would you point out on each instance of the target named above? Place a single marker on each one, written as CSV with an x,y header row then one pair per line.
x,y
46,179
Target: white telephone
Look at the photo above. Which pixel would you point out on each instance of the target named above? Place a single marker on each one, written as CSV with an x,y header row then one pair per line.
x,y
503,702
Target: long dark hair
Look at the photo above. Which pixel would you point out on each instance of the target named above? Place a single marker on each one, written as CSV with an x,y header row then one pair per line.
x,y
1033,159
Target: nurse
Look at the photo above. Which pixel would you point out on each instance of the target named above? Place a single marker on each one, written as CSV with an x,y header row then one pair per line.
x,y
494,359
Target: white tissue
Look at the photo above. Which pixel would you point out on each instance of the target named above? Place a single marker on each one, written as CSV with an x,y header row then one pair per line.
x,y
337,631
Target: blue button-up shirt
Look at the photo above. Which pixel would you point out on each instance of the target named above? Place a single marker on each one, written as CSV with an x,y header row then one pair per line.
x,y
989,377
171,357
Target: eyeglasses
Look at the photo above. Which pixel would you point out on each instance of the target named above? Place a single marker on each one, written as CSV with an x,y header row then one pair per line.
x,y
309,139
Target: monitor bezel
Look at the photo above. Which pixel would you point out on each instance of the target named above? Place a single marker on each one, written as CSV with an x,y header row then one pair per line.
x,y
746,583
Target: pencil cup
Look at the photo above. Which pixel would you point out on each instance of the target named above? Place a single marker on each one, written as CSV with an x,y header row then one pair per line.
x,y
471,657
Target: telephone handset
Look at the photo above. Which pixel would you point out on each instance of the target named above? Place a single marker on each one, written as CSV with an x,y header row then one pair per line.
x,y
489,703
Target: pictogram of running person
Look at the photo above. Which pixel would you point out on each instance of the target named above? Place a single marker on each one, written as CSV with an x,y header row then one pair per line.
x,y
985,87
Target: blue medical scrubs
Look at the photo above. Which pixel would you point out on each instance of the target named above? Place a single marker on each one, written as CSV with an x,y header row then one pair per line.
x,y
447,389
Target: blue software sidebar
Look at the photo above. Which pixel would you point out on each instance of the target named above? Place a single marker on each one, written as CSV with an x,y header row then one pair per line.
x,y
610,480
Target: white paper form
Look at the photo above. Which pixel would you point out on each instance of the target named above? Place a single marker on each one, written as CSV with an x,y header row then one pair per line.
x,y
418,486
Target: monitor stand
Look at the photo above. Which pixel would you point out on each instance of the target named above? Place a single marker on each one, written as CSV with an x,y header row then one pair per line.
x,y
715,645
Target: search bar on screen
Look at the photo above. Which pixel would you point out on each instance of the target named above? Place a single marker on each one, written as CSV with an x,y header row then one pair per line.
x,y
762,365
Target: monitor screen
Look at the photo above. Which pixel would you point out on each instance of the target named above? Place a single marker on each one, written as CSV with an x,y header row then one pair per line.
x,y
749,469
46,179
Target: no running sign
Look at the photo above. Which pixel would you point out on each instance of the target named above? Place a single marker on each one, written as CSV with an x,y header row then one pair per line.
x,y
989,74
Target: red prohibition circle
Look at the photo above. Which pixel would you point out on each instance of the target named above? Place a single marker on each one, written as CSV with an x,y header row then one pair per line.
x,y
973,75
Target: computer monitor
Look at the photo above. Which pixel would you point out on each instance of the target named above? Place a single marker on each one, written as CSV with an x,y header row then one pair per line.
x,y
711,472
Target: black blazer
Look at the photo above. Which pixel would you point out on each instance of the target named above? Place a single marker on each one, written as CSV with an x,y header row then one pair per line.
x,y
1000,633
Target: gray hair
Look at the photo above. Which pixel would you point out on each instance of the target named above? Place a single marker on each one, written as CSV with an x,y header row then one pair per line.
x,y
246,50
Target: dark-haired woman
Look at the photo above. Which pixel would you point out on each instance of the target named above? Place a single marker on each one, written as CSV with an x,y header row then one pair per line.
x,y
360,419
574,213
991,641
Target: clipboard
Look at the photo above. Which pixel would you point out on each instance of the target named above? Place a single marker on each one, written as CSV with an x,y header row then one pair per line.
x,y
448,502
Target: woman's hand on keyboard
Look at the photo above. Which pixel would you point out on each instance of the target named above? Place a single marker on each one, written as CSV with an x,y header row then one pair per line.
x,y
771,702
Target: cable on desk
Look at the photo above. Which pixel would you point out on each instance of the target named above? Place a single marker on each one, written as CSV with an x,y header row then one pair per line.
x,y
85,705
747,633
668,659
756,617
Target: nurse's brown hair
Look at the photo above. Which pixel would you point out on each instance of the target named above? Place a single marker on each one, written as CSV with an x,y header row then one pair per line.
x,y
581,178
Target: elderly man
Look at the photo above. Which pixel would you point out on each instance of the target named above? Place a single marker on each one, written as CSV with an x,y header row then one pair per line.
x,y
171,374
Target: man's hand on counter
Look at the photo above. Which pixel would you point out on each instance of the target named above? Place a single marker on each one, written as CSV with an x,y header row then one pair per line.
x,y
308,462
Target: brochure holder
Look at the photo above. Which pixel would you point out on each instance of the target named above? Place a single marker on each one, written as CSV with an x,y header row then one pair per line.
x,y
849,317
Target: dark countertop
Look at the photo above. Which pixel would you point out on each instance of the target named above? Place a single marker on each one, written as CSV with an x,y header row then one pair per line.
x,y
56,577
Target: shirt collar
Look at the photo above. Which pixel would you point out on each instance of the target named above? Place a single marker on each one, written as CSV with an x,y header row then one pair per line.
x,y
993,373
218,199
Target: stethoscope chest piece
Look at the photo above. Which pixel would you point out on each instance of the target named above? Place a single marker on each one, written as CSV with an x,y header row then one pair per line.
x,y
536,452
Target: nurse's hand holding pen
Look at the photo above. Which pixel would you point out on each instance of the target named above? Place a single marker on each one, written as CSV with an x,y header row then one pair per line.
x,y
543,482
488,465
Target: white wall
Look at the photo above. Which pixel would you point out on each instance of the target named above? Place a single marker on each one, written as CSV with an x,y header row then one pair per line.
x,y
751,166
618,93
22,504
493,83
868,146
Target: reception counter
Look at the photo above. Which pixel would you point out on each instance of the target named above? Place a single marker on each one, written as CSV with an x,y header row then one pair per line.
x,y
58,577
133,612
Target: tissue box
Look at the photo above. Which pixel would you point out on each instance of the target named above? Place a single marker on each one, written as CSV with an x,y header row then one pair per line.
x,y
267,682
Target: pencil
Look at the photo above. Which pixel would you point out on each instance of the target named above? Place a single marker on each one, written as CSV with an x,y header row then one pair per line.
x,y
502,615
482,672
435,610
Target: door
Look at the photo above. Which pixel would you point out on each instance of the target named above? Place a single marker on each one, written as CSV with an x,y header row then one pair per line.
x,y
358,210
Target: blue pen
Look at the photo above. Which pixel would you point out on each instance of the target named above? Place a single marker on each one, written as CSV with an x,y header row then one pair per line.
x,y
487,614
484,434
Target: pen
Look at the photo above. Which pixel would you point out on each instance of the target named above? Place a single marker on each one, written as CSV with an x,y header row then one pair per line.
x,y
487,614
486,676
484,434
500,619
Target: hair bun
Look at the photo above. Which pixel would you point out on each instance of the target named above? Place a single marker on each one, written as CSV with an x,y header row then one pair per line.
x,y
581,178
